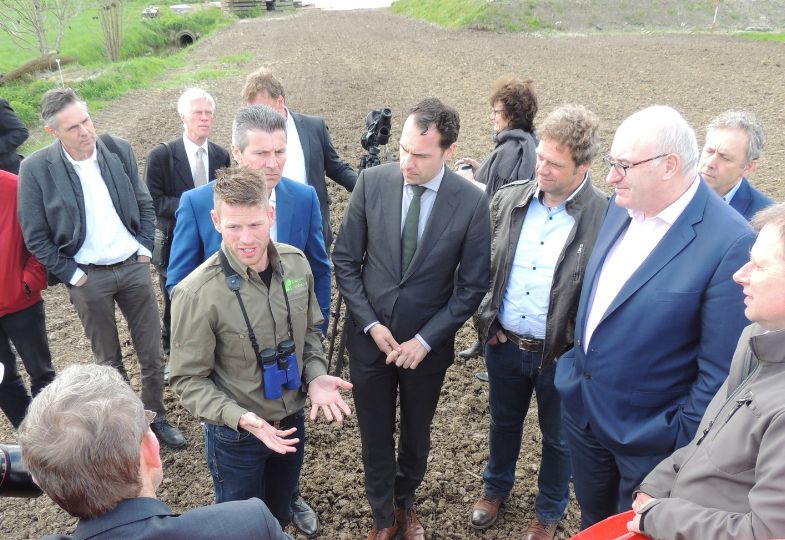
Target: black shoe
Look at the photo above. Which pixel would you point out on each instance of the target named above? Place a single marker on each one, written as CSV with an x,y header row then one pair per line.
x,y
482,375
166,373
168,434
472,352
304,518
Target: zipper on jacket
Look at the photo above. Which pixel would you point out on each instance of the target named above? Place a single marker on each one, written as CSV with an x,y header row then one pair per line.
x,y
579,255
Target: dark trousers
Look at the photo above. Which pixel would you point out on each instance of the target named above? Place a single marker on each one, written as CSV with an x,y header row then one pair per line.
x,y
513,376
26,329
130,286
603,479
166,326
243,467
390,482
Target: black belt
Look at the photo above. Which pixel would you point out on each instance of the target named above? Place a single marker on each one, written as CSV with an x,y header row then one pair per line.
x,y
524,343
113,265
286,421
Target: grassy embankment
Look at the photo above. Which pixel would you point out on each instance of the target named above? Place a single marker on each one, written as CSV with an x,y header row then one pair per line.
x,y
148,51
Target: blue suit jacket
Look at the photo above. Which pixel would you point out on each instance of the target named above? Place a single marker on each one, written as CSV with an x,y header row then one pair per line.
x,y
664,346
299,223
748,200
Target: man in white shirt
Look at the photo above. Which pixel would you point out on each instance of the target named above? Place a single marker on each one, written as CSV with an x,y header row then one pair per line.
x,y
734,142
87,217
658,317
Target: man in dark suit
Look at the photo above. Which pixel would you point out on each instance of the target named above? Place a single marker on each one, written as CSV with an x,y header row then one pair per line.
x,y
413,263
87,217
309,150
734,142
12,134
104,466
175,167
659,315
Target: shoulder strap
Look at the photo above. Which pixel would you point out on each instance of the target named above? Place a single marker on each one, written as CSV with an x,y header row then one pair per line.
x,y
233,281
170,154
113,148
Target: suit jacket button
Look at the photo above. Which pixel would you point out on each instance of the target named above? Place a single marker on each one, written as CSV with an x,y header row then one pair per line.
x,y
587,375
577,342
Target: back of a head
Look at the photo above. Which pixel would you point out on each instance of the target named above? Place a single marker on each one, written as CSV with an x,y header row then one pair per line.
x,y
255,118
432,112
81,440
574,127
668,132
261,81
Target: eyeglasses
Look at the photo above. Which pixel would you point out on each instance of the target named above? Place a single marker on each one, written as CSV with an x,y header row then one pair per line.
x,y
149,416
622,169
496,112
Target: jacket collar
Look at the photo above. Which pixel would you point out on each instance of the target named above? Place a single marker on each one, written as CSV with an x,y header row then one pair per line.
x,y
128,511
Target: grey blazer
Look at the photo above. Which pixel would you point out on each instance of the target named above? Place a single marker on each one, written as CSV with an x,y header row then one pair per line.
x,y
446,280
51,203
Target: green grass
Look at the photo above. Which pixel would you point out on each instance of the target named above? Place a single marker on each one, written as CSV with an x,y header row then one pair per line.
x,y
475,14
777,37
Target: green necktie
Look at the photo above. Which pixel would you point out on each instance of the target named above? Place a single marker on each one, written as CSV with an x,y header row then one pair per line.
x,y
410,225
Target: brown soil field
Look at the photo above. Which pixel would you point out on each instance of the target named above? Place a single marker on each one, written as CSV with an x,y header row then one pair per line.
x,y
340,65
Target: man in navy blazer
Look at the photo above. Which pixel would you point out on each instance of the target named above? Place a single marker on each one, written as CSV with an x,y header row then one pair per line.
x,y
297,218
309,150
104,466
734,142
659,315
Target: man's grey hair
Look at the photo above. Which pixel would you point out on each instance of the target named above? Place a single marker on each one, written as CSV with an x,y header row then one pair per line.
x,y
81,440
671,134
191,95
255,118
56,100
749,124
773,216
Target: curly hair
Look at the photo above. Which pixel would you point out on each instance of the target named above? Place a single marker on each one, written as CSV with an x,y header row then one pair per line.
x,y
575,127
518,99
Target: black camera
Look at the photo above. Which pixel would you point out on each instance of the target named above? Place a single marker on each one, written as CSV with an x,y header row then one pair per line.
x,y
15,481
378,122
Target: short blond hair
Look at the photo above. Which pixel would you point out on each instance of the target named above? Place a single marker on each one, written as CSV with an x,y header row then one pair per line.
x,y
261,80
240,186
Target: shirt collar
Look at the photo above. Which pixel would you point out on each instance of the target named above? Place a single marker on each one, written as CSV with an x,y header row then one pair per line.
x,y
93,157
672,212
728,197
539,194
191,147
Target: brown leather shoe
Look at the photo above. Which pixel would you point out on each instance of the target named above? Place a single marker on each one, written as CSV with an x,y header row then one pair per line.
x,y
484,512
388,533
410,525
540,531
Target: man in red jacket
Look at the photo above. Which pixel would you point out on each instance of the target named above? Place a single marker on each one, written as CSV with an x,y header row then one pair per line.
x,y
21,311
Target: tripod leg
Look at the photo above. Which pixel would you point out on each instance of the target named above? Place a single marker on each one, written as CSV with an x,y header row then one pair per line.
x,y
341,351
334,324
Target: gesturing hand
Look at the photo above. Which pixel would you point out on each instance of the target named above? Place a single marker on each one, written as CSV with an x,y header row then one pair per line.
x,y
325,395
274,439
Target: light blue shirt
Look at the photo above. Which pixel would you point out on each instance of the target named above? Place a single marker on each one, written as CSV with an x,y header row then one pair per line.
x,y
524,307
728,197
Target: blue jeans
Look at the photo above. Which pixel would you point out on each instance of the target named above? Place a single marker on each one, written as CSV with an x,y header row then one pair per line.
x,y
243,467
513,375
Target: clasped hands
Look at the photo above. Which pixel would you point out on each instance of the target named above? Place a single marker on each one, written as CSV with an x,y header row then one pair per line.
x,y
407,355
640,503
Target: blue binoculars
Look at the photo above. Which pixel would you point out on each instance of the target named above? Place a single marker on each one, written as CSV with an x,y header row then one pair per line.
x,y
279,369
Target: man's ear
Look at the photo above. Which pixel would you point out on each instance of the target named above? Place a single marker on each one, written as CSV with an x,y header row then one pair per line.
x,y
50,131
150,451
271,215
216,220
750,168
450,151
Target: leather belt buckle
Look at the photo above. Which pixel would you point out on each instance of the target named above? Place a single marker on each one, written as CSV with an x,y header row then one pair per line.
x,y
524,343
283,421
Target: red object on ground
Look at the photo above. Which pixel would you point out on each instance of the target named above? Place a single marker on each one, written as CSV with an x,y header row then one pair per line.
x,y
612,528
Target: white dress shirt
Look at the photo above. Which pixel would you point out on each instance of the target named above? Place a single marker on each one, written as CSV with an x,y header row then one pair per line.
x,y
294,168
190,151
628,253
107,241
274,225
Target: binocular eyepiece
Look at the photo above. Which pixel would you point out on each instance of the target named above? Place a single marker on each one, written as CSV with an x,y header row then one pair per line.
x,y
279,369
378,123
15,481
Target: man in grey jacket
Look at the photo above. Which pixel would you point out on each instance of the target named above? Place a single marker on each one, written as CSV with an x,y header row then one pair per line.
x,y
727,483
543,232
87,217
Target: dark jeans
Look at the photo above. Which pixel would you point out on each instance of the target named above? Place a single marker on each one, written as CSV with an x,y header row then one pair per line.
x,y
243,467
26,329
513,374
390,482
130,286
603,479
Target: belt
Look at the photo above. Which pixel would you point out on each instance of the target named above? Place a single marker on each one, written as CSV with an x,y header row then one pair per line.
x,y
524,343
286,421
113,265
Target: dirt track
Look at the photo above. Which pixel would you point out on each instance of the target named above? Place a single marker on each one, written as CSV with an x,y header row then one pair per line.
x,y
341,64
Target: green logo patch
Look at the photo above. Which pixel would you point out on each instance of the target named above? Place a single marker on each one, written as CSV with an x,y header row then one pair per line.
x,y
291,284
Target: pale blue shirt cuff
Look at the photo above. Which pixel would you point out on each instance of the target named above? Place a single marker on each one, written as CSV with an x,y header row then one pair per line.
x,y
368,328
423,342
